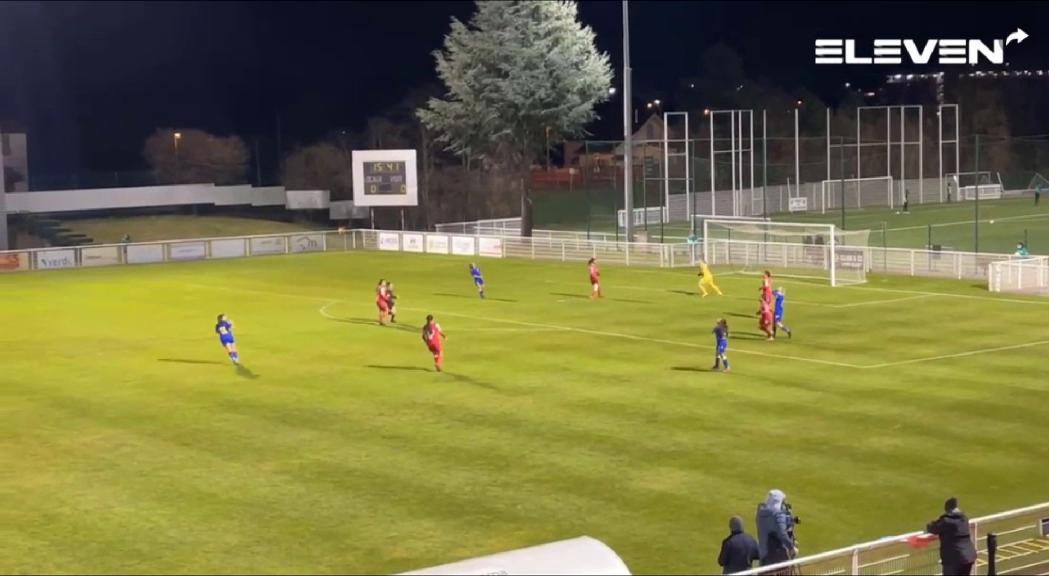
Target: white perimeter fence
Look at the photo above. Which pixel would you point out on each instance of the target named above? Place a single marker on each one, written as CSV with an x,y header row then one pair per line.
x,y
1023,548
573,247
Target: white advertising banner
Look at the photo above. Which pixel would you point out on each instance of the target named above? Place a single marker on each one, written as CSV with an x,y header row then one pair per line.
x,y
345,210
187,251
463,245
308,199
227,248
55,259
412,242
437,244
490,247
389,241
269,245
307,243
798,204
145,253
12,261
100,256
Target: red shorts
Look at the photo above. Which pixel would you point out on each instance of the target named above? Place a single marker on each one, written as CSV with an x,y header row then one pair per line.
x,y
383,305
765,321
594,281
436,351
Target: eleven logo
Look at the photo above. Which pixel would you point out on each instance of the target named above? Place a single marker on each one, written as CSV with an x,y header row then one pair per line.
x,y
892,51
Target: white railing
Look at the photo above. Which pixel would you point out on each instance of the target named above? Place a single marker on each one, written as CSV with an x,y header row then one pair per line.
x,y
558,246
568,249
1022,545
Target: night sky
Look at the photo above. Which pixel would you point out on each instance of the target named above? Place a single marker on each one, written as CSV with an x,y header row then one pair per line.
x,y
90,80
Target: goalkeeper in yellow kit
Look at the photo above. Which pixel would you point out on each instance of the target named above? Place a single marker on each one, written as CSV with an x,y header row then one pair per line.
x,y
706,279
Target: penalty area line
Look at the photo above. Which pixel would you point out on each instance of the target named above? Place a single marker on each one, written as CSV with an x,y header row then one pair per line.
x,y
959,354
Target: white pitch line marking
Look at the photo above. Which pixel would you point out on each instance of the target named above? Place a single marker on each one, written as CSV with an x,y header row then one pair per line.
x,y
959,354
875,302
642,338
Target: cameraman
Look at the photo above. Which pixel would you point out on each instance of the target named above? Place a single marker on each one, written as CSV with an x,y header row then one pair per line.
x,y
775,529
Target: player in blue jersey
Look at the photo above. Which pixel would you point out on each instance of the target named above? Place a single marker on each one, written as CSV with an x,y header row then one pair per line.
x,y
224,328
478,280
721,340
780,295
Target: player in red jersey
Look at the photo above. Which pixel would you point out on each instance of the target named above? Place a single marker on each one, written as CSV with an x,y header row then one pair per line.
x,y
766,287
595,279
432,336
765,319
382,301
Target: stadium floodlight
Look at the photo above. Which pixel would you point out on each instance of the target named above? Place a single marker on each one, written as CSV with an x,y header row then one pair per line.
x,y
789,249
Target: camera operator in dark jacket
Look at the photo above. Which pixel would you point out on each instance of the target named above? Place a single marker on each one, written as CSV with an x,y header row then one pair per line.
x,y
775,526
957,552
739,550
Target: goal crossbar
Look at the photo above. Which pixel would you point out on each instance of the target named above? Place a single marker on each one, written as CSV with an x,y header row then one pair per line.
x,y
794,249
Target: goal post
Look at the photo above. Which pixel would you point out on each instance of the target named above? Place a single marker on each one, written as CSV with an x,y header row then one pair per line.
x,y
988,185
789,249
857,193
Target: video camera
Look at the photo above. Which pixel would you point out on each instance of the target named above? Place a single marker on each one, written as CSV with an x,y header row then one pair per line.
x,y
795,520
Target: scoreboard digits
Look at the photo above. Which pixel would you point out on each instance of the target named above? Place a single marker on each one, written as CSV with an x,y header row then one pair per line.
x,y
385,178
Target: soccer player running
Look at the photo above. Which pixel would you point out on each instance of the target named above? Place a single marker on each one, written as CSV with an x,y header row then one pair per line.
x,y
224,328
780,295
720,332
765,320
382,302
475,272
595,279
706,279
432,336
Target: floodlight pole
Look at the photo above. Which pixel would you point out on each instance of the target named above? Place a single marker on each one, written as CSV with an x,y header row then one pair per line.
x,y
976,202
764,166
841,176
628,147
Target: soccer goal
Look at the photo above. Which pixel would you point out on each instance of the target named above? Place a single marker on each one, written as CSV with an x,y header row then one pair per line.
x,y
1021,275
793,250
857,193
988,185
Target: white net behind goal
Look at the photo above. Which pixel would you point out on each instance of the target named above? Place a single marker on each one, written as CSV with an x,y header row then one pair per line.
x,y
857,193
817,251
1022,275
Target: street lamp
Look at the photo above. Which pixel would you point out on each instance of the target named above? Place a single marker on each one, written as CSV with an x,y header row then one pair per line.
x,y
612,91
176,137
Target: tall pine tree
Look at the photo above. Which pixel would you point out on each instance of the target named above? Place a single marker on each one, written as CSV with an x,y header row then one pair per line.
x,y
515,71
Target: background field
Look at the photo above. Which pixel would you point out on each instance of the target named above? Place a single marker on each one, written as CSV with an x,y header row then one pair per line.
x,y
952,225
129,444
176,227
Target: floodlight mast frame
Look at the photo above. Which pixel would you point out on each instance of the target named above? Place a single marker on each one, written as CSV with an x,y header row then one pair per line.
x,y
741,140
889,143
667,155
940,111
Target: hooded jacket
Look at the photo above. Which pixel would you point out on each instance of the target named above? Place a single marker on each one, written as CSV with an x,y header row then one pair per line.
x,y
739,550
956,545
774,526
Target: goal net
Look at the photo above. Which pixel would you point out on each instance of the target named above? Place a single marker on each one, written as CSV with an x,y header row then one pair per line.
x,y
988,185
796,250
856,193
1022,275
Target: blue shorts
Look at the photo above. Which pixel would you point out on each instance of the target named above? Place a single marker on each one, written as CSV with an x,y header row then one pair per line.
x,y
224,340
478,281
779,316
722,346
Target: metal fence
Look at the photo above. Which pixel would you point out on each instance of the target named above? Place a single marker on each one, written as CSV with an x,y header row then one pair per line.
x,y
558,246
1022,548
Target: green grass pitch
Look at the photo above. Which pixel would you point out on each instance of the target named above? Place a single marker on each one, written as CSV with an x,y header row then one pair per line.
x,y
129,444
